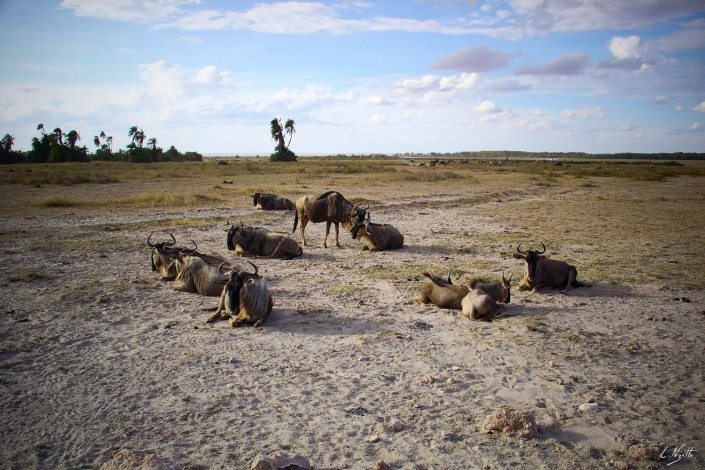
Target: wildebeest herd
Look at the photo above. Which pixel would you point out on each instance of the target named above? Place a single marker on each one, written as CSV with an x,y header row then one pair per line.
x,y
244,295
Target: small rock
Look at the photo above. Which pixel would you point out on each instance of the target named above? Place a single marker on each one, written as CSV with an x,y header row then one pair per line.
x,y
511,422
373,438
382,465
644,452
396,425
551,364
415,404
232,360
455,368
277,461
588,407
427,379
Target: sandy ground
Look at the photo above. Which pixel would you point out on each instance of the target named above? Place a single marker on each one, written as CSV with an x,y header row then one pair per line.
x,y
97,356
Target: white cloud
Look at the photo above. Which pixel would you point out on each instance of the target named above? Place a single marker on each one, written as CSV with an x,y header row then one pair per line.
x,y
595,112
142,11
700,107
210,74
487,107
695,126
625,47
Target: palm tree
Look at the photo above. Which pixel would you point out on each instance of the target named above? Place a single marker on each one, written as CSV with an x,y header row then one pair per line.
x,y
72,138
96,141
278,134
109,140
59,135
290,129
40,127
137,135
152,143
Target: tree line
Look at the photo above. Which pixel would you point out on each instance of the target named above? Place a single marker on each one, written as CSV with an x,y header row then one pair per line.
x,y
59,147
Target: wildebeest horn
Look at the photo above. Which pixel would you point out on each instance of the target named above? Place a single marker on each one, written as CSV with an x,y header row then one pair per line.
x,y
152,245
519,249
254,266
544,249
220,266
191,250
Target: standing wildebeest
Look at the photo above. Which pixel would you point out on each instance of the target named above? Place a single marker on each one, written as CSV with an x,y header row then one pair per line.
x,y
244,299
272,202
541,272
330,207
441,292
256,241
481,301
377,237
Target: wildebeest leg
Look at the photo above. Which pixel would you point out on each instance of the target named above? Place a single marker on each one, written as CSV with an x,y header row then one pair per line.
x,y
325,240
337,230
571,280
304,221
221,307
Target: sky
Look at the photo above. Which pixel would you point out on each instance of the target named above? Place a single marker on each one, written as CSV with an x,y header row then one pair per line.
x,y
359,77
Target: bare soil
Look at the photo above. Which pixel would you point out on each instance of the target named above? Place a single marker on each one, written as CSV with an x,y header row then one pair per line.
x,y
97,355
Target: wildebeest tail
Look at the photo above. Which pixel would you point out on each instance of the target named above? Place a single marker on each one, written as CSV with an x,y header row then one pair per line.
x,y
296,220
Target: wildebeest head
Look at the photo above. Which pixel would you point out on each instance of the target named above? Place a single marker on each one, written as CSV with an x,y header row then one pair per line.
x,y
532,258
360,221
159,250
506,294
236,235
235,282
255,198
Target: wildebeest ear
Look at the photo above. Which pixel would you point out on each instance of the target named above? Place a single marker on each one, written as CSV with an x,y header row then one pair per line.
x,y
518,255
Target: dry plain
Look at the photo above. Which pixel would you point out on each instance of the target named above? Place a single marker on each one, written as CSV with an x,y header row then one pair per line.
x,y
99,358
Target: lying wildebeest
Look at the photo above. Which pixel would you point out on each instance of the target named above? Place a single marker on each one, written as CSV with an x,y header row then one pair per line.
x,y
162,257
481,301
377,237
244,299
541,272
272,202
256,241
330,207
201,274
441,292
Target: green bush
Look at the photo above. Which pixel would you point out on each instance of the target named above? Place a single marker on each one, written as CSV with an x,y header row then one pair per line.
x,y
285,155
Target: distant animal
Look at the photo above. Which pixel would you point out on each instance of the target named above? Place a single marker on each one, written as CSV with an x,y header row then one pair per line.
x,y
257,241
222,163
244,298
441,292
201,274
330,207
541,272
377,237
481,301
272,202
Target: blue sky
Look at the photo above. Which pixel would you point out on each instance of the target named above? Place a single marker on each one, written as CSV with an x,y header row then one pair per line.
x,y
359,76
